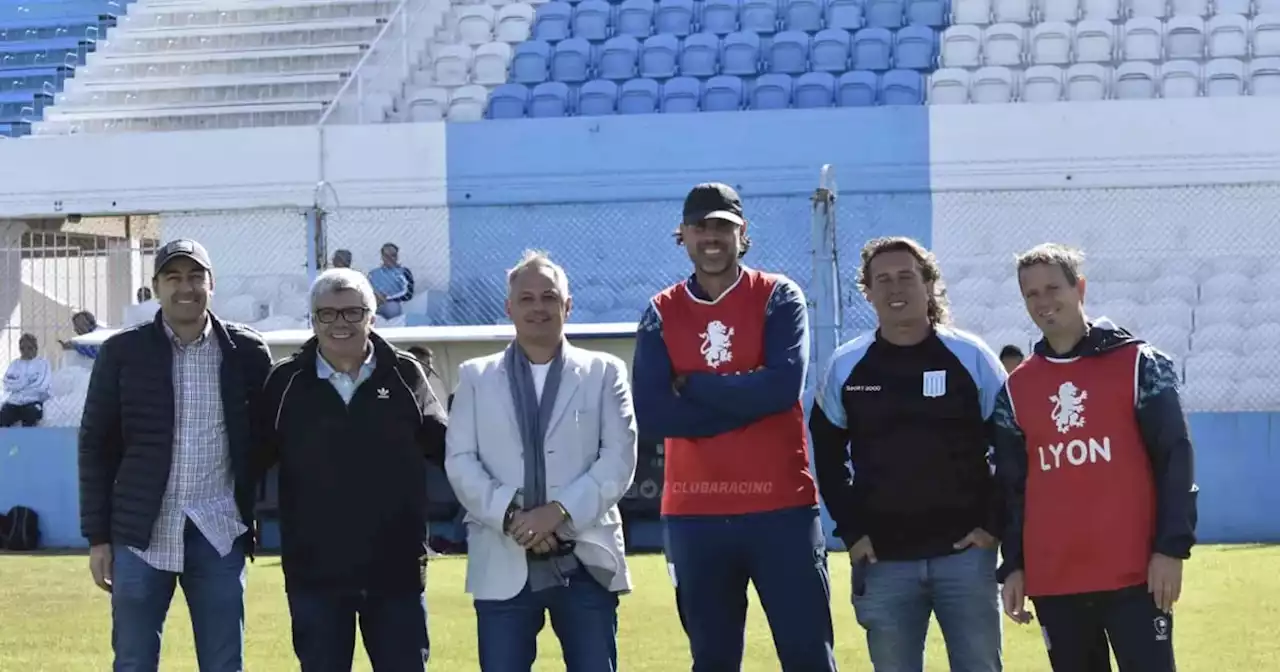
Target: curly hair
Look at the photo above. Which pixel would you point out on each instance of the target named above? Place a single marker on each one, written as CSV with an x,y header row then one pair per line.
x,y
939,307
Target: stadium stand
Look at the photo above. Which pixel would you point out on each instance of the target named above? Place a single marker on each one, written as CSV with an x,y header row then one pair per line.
x,y
194,64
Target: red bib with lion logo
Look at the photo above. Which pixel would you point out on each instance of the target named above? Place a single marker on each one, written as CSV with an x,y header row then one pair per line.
x,y
763,466
1090,501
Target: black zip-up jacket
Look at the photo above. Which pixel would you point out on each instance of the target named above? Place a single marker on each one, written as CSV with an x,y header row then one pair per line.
x,y
353,478
127,432
1163,427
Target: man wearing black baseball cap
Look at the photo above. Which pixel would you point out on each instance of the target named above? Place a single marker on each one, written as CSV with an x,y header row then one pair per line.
x,y
166,493
719,371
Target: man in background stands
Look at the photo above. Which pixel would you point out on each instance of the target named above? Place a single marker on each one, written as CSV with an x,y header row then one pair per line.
x,y
166,493
26,384
907,405
541,447
719,370
1010,357
352,422
341,259
392,283
1100,524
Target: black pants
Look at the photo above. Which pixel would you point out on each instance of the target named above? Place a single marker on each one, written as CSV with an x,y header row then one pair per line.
x,y
1140,634
27,415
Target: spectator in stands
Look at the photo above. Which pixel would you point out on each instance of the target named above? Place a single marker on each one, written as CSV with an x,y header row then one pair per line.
x,y
1099,528
341,259
1010,357
392,283
547,535
349,388
719,371
26,383
83,323
907,405
142,311
166,493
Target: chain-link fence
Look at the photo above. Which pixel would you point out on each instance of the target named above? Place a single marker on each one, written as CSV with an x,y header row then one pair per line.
x,y
1193,270
259,259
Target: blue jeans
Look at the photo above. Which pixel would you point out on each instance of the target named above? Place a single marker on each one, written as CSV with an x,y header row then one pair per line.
x,y
214,586
783,553
893,601
393,627
584,616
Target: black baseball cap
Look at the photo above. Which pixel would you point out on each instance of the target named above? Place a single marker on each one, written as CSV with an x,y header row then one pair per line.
x,y
713,200
183,248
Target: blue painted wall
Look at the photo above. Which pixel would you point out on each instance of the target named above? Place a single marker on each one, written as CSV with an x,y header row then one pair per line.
x,y
603,195
1237,462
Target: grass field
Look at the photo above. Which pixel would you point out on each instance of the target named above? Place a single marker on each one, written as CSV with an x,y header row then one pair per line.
x,y
53,619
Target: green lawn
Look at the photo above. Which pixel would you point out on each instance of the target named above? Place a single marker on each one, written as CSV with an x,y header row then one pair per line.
x,y
52,618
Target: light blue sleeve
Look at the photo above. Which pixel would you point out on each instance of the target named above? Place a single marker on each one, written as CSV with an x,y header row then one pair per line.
x,y
981,362
829,395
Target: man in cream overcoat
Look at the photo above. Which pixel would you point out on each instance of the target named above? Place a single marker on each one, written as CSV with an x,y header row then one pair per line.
x,y
541,447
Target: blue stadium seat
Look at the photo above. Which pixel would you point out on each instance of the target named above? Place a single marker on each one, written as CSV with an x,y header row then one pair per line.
x,y
760,16
44,28
884,13
813,90
857,88
803,15
15,129
723,93
872,49
771,92
531,62
674,17
830,51
571,61
789,53
591,19
700,55
639,96
508,101
34,79
618,58
550,99
31,11
635,18
681,94
598,97
658,56
915,48
844,14
932,13
552,21
902,87
719,16
740,54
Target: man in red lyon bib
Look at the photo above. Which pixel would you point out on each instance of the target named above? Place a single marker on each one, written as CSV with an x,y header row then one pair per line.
x,y
719,371
1092,448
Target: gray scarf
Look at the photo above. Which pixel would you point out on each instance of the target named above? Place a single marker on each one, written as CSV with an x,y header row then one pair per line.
x,y
534,418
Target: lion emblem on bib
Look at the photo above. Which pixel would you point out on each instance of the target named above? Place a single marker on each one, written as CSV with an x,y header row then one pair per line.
x,y
717,343
1068,407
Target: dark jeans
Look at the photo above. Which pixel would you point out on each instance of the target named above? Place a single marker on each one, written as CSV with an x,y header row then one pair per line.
x,y
784,553
27,415
214,587
1141,635
584,616
393,628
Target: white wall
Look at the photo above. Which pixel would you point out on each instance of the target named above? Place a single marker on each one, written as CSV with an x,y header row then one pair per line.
x,y
368,166
1062,145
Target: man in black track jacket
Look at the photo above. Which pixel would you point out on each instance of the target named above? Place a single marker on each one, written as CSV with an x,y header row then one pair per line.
x,y
352,422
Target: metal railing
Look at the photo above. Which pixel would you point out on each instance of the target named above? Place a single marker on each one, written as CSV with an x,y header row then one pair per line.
x,y
354,89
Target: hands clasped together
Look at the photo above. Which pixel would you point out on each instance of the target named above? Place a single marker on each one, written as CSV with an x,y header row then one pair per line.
x,y
535,530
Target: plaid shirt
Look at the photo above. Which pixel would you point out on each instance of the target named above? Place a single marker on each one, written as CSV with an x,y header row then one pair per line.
x,y
200,486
